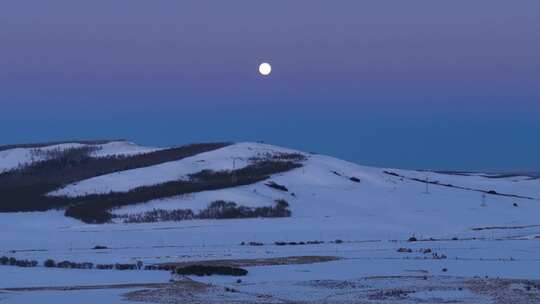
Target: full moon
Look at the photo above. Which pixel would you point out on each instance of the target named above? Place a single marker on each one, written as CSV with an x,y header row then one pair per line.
x,y
265,68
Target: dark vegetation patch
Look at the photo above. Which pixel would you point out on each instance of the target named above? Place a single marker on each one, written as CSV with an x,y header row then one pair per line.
x,y
74,265
404,250
290,243
54,143
279,156
276,186
280,243
351,178
230,210
205,270
251,243
355,179
50,263
216,210
10,261
25,189
157,215
529,175
504,227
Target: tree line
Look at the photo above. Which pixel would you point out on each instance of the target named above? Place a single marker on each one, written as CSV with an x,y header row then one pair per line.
x,y
216,210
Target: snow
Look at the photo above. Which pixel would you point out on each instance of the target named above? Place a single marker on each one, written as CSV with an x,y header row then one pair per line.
x,y
13,158
54,277
122,148
374,218
72,296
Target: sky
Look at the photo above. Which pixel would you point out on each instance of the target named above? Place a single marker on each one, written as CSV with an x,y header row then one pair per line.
x,y
421,84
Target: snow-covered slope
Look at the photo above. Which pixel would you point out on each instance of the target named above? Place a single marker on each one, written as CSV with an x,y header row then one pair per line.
x,y
372,211
227,158
13,158
358,196
384,205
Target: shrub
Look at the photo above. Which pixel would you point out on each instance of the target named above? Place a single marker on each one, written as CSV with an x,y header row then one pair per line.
x,y
4,260
49,263
406,250
105,266
277,186
216,210
160,215
118,266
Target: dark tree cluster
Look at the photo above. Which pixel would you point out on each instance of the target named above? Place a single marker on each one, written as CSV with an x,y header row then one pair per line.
x,y
279,156
54,143
216,210
298,243
50,263
252,243
74,265
159,215
205,270
160,267
355,179
230,210
10,261
119,266
276,186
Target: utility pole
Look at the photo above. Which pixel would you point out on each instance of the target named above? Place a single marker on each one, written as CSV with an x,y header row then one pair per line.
x,y
427,182
234,177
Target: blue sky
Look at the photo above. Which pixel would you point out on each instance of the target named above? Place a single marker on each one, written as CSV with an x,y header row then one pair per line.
x,y
421,84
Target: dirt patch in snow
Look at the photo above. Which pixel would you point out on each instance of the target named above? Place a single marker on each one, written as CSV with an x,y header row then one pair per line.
x,y
505,291
391,289
291,260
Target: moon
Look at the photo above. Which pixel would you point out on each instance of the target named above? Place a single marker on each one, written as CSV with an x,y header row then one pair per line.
x,y
265,68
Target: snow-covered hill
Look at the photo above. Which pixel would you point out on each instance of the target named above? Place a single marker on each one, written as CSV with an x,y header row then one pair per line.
x,y
384,201
474,225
